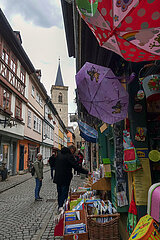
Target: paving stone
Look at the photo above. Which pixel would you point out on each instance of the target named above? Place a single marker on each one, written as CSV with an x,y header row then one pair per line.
x,y
20,216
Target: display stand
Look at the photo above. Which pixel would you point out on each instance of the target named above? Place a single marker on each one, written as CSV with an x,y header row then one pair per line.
x,y
103,184
80,236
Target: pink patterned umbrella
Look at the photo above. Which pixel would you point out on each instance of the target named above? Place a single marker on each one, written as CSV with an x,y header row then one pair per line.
x,y
130,28
101,93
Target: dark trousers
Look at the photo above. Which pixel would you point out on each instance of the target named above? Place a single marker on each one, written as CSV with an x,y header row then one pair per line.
x,y
62,194
4,173
38,188
52,168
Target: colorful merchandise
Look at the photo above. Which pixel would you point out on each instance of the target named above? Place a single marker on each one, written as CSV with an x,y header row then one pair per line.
x,y
154,202
146,229
140,94
131,162
75,228
141,134
132,216
87,7
104,96
154,155
129,28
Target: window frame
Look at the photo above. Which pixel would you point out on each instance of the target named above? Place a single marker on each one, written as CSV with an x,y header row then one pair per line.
x,y
29,119
23,75
60,98
2,99
13,60
33,91
18,105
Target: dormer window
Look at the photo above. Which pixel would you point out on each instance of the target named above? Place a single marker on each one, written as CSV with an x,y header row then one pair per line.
x,y
60,97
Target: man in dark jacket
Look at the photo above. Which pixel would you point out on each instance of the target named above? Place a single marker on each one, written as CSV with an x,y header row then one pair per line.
x,y
52,163
64,163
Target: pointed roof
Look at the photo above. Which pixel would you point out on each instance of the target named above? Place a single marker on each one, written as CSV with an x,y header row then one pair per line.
x,y
59,80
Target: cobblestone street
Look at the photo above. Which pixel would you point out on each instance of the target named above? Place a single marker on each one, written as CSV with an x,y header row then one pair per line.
x,y
23,218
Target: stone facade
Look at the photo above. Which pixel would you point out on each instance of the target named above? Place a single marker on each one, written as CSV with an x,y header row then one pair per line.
x,y
59,96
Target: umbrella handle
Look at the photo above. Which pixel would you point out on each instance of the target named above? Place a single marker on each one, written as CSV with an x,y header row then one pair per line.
x,y
145,66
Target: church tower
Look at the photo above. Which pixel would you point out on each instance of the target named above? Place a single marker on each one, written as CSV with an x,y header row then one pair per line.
x,y
59,96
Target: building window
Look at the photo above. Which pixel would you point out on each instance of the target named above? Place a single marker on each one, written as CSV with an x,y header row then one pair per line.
x,y
37,97
33,91
60,97
37,123
68,139
29,119
18,111
39,129
5,55
13,63
5,99
22,74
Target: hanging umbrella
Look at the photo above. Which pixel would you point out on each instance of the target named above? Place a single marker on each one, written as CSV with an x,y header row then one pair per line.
x,y
101,93
87,132
130,28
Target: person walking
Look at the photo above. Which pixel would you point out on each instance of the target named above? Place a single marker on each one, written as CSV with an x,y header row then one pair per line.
x,y
38,165
64,163
52,163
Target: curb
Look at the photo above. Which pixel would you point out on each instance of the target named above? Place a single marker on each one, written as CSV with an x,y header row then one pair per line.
x,y
18,183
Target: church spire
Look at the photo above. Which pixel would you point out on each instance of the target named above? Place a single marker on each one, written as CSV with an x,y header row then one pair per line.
x,y
59,80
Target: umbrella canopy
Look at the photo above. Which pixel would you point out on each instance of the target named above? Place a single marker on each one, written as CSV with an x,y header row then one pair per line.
x,y
130,28
87,132
101,93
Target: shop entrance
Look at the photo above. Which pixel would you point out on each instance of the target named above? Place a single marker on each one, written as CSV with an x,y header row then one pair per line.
x,y
21,158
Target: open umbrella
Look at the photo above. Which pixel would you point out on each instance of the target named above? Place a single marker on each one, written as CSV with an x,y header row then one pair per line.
x,y
130,28
101,93
87,132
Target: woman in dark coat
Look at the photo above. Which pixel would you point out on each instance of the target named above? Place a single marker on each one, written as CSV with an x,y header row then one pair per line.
x,y
64,163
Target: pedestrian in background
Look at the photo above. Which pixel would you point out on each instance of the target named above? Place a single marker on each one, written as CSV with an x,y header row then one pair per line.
x,y
38,165
52,163
64,163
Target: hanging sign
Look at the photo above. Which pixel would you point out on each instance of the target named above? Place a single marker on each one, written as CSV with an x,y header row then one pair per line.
x,y
103,127
87,7
142,178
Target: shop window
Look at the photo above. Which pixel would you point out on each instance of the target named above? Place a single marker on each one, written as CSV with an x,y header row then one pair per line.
x,y
22,74
60,97
18,110
29,119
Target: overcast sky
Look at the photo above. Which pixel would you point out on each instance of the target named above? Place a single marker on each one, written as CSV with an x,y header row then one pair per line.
x,y
40,23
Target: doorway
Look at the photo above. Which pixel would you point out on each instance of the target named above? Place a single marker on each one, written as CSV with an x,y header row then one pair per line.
x,y
21,158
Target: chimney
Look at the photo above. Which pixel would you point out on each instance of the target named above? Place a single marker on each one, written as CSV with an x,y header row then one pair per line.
x,y
18,35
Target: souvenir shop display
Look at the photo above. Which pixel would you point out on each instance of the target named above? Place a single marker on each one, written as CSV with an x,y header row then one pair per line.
x,y
154,155
102,220
153,208
140,94
120,187
141,134
131,162
132,216
146,229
